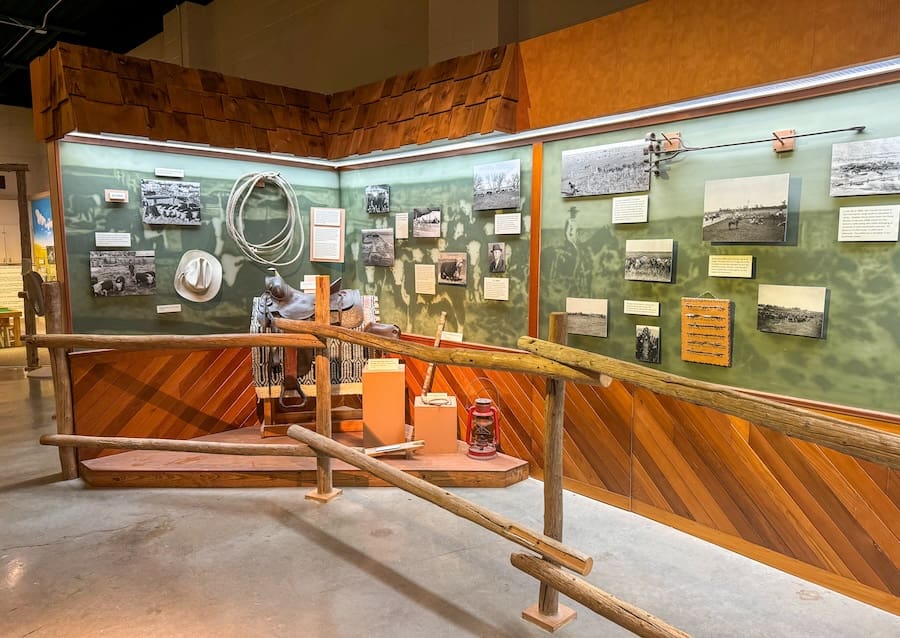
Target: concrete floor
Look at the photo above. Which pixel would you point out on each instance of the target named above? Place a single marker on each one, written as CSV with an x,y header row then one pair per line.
x,y
77,561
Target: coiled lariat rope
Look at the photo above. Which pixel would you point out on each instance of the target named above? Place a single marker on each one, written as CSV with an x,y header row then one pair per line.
x,y
277,250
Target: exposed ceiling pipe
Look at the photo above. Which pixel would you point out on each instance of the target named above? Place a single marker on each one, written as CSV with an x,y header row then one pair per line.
x,y
42,29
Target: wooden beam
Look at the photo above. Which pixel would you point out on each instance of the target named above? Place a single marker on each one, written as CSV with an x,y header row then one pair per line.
x,y
849,438
175,445
534,243
547,547
508,361
62,379
632,618
178,342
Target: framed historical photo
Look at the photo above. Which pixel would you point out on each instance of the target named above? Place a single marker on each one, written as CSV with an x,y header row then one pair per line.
x,y
427,222
746,210
587,316
452,268
378,199
497,186
649,260
378,247
646,344
870,167
605,170
496,256
170,203
792,310
121,273
326,234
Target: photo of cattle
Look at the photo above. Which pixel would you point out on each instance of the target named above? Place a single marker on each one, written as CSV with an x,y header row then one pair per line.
x,y
605,170
865,168
378,198
791,310
746,209
452,268
117,273
427,222
649,260
176,203
497,186
646,344
586,316
378,247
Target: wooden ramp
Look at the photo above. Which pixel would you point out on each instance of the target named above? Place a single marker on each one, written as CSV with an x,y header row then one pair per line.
x,y
184,469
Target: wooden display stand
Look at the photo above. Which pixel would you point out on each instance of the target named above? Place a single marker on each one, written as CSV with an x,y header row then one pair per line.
x,y
383,411
436,425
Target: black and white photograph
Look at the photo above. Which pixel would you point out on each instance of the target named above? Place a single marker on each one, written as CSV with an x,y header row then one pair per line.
x,y
586,316
646,344
605,170
746,210
452,268
176,203
865,168
427,222
791,310
378,198
497,186
378,247
119,273
496,256
649,260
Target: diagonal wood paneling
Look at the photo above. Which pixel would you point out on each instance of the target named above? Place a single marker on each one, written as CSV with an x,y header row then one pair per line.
x,y
163,394
815,512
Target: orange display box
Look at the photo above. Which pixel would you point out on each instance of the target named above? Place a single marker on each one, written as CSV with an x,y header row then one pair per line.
x,y
436,425
383,412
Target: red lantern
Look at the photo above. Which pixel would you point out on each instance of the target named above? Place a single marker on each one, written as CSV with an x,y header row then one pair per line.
x,y
483,430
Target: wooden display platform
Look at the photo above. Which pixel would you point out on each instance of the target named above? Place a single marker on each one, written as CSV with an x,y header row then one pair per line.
x,y
184,469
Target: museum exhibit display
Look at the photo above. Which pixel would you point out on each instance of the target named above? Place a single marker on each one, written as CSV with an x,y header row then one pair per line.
x,y
296,286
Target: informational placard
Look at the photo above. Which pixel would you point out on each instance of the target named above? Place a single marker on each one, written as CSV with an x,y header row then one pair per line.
x,y
168,308
496,288
706,331
382,365
731,266
645,308
425,279
112,240
115,195
401,226
456,337
869,223
508,224
169,172
326,234
630,210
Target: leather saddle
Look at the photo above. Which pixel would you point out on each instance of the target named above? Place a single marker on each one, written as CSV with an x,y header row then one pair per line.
x,y
281,300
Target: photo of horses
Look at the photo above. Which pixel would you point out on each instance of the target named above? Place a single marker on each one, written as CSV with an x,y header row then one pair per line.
x,y
649,260
746,210
586,316
646,344
378,247
378,198
791,310
427,222
865,168
176,203
120,273
497,185
452,268
605,170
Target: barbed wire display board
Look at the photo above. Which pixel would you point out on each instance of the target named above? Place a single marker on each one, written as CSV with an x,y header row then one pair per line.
x,y
706,330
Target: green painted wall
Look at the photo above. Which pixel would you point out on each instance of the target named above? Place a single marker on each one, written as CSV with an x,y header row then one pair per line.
x,y
856,364
87,170
447,183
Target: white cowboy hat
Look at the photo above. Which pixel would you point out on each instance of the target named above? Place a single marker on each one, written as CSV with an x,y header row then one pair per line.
x,y
199,276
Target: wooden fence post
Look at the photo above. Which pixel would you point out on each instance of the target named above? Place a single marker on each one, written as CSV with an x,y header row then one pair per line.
x,y
62,379
548,613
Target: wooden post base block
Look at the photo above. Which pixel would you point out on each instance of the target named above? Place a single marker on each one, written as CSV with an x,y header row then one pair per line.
x,y
563,617
323,498
383,410
436,425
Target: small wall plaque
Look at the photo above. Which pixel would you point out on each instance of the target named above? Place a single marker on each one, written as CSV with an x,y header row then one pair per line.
x,y
169,172
115,195
706,331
